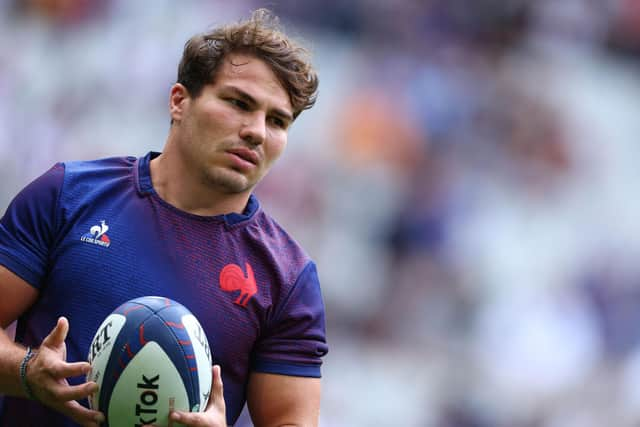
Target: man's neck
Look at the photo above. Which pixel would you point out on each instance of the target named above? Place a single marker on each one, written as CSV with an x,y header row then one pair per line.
x,y
176,186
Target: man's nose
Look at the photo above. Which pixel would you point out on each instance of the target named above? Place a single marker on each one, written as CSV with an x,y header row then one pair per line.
x,y
254,128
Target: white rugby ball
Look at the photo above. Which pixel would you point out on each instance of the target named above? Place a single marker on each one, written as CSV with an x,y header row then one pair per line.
x,y
149,357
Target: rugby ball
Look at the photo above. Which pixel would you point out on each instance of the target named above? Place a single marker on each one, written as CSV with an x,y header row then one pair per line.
x,y
150,356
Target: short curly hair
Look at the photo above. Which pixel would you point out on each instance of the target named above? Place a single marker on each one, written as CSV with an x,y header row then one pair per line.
x,y
262,36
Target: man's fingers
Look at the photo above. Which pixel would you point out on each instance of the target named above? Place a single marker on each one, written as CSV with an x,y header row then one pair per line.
x,y
217,388
57,336
66,370
48,373
217,376
74,392
193,419
214,415
81,415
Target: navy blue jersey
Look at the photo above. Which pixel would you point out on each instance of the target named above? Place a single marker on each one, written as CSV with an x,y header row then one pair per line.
x,y
92,235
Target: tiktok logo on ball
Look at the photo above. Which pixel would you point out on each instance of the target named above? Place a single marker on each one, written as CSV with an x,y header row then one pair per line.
x,y
146,408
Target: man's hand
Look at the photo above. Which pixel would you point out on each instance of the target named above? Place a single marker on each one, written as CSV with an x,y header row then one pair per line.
x,y
47,375
215,414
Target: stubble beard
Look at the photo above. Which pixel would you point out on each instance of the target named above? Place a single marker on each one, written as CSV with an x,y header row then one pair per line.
x,y
227,181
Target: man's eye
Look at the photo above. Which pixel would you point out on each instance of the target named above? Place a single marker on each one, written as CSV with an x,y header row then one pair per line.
x,y
278,122
240,104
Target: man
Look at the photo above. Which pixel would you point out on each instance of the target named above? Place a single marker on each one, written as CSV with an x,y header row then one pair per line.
x,y
184,224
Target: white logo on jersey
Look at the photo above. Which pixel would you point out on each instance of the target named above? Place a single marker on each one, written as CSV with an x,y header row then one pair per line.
x,y
97,235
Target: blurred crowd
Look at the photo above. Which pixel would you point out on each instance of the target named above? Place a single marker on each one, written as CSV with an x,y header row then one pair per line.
x,y
466,182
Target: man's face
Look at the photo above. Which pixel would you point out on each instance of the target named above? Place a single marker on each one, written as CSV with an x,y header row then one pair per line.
x,y
231,134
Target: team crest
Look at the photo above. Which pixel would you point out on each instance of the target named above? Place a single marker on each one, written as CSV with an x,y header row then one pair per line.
x,y
97,235
232,279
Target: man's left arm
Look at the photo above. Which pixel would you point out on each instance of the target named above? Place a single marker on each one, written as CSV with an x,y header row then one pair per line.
x,y
282,400
284,385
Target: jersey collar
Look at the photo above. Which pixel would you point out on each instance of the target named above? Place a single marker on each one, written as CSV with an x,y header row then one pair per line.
x,y
144,185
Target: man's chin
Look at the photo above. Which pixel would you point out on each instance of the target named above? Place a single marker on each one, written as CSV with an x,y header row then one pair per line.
x,y
230,182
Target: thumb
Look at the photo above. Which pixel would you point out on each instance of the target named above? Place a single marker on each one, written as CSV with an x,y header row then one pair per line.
x,y
217,389
57,336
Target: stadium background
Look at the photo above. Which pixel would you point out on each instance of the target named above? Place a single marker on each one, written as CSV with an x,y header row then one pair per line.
x,y
468,183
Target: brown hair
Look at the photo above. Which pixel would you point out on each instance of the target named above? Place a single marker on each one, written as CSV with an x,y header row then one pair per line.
x,y
262,36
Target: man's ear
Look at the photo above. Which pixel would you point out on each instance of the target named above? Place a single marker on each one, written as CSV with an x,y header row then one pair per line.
x,y
178,99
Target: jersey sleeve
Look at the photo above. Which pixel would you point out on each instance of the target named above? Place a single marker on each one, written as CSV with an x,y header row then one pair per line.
x,y
295,341
27,229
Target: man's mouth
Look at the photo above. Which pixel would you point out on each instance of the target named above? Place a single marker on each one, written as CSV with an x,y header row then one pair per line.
x,y
245,154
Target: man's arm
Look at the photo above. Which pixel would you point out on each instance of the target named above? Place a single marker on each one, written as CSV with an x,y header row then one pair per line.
x,y
48,370
281,400
17,296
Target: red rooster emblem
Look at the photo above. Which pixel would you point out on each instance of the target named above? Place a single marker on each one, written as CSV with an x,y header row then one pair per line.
x,y
232,279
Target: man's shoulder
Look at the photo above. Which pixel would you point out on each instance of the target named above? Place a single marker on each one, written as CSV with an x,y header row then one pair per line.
x,y
87,174
93,182
275,238
106,164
